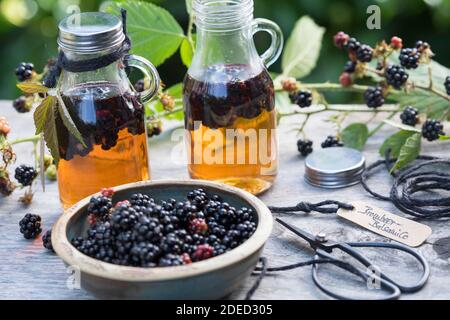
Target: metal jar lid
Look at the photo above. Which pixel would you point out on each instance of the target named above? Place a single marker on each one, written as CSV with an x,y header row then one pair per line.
x,y
336,167
90,32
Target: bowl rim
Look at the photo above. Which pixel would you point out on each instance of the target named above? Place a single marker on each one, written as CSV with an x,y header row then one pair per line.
x,y
79,261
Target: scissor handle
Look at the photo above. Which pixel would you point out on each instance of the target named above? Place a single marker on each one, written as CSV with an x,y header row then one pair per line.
x,y
364,275
348,248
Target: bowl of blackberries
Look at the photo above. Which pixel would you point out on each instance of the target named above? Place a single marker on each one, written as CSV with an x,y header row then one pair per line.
x,y
172,239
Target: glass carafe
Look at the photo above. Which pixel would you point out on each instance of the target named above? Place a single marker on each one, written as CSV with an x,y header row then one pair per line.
x,y
228,97
105,108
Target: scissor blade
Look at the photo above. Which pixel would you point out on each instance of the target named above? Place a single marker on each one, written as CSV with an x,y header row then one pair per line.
x,y
303,234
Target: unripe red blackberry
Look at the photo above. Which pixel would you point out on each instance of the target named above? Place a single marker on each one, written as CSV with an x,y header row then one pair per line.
x,y
345,79
203,251
396,43
289,84
340,39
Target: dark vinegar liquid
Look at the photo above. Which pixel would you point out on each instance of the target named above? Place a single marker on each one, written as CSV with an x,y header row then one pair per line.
x,y
230,120
112,125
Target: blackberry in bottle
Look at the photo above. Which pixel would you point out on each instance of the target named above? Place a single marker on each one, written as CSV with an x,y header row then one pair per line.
x,y
229,97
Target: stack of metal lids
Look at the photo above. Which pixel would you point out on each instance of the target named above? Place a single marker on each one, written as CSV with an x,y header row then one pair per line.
x,y
336,167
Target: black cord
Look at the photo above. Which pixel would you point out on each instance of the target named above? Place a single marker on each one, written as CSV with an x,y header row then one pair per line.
x,y
90,64
328,206
412,180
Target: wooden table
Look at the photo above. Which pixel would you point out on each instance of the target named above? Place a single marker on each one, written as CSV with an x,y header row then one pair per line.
x,y
28,271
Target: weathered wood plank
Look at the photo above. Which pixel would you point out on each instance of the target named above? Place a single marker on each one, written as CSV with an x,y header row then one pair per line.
x,y
27,271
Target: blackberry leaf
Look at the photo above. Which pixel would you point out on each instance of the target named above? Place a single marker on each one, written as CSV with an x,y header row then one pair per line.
x,y
67,120
355,136
408,152
395,143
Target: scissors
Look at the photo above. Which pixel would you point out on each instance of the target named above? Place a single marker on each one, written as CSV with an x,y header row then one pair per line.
x,y
322,254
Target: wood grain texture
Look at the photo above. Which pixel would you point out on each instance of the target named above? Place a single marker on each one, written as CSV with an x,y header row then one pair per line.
x,y
28,271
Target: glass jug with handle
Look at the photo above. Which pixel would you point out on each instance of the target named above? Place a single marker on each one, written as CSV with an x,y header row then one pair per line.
x,y
229,98
105,108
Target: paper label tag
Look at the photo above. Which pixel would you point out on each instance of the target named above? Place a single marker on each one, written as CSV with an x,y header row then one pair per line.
x,y
387,224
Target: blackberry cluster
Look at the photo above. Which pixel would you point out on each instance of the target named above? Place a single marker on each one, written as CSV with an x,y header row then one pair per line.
x,y
302,98
409,116
30,226
374,97
304,147
21,105
409,58
331,141
24,71
447,85
432,129
146,233
139,86
25,175
422,45
396,76
99,207
364,53
47,240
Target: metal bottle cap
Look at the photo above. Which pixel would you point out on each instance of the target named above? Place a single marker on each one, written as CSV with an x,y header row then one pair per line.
x,y
90,32
336,167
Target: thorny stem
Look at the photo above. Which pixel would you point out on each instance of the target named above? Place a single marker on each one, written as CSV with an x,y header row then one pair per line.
x,y
33,139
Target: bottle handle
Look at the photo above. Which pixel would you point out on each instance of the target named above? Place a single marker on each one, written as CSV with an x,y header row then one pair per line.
x,y
149,71
273,53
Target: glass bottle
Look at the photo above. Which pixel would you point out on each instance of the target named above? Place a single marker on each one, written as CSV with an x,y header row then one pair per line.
x,y
228,97
105,108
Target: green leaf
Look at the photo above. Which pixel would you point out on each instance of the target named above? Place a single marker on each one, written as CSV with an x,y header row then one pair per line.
x,y
426,102
50,134
67,120
154,32
302,48
186,52
444,138
395,143
30,87
401,125
409,151
355,136
40,113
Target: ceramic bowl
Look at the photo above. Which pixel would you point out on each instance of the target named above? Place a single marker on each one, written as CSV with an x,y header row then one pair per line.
x,y
209,279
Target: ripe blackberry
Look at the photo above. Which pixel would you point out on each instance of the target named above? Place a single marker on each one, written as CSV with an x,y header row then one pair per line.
x,y
304,147
302,98
21,105
422,45
409,58
170,260
30,226
100,207
171,244
198,198
139,86
24,71
364,53
374,97
447,85
145,254
331,141
47,240
432,129
350,66
203,251
246,229
396,76
139,199
409,116
25,175
352,45
123,218
148,229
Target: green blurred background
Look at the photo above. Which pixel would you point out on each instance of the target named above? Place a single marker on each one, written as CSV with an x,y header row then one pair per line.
x,y
28,30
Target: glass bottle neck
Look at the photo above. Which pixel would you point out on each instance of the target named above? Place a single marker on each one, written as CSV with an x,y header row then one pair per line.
x,y
234,47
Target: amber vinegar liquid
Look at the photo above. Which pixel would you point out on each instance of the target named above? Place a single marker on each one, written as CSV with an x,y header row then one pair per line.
x,y
115,152
231,120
